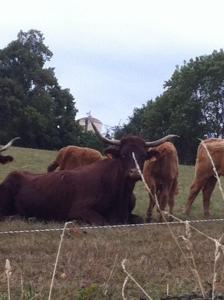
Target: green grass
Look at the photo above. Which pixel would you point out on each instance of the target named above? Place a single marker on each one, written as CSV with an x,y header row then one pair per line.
x,y
186,177
89,265
27,159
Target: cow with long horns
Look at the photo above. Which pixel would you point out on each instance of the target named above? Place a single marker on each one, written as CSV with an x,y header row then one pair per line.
x,y
98,193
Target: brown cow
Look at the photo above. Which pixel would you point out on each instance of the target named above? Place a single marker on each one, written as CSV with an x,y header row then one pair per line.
x,y
98,193
71,157
7,158
205,179
161,175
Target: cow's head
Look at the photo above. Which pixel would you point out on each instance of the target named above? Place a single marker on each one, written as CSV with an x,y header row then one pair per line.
x,y
153,154
7,158
124,149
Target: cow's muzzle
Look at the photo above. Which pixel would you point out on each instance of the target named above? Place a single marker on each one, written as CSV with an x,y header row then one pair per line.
x,y
134,174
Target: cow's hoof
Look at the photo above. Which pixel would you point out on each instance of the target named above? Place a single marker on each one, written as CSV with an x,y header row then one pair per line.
x,y
135,219
207,215
170,219
148,219
187,212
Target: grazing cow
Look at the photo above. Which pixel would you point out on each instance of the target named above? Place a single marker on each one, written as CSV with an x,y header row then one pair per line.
x,y
98,193
71,157
7,158
161,175
205,179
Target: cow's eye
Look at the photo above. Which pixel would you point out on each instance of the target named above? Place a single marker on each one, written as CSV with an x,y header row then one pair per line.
x,y
124,155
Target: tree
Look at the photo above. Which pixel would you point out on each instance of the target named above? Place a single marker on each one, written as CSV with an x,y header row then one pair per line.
x,y
32,103
200,83
192,106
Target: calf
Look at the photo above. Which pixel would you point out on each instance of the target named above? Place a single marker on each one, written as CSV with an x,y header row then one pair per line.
x,y
161,175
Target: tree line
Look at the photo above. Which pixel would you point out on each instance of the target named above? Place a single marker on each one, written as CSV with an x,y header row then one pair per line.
x,y
35,107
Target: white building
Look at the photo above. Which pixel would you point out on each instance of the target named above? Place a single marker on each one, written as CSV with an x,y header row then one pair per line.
x,y
85,122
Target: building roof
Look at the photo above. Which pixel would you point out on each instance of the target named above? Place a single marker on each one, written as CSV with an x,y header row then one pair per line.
x,y
93,119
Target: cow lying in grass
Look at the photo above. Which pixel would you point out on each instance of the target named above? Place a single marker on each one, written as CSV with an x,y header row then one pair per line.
x,y
98,193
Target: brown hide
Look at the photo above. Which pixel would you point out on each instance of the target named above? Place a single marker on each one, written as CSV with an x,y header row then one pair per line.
x,y
205,179
98,193
161,175
71,157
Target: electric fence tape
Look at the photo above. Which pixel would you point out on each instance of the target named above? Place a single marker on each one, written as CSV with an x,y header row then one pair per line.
x,y
108,226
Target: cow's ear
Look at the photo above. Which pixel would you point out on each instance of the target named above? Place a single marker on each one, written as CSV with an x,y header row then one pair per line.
x,y
112,152
152,153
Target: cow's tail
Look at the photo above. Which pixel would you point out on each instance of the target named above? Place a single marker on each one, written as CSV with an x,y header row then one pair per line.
x,y
52,166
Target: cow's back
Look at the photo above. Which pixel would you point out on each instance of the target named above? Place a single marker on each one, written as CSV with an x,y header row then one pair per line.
x,y
203,166
71,157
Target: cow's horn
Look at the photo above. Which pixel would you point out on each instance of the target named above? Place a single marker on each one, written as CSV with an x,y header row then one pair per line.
x,y
104,139
160,141
9,144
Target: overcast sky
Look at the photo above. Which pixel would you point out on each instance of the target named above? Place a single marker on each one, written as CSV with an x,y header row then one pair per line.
x,y
116,55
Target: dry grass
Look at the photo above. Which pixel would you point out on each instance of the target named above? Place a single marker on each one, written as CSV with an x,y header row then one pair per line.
x,y
86,261
89,265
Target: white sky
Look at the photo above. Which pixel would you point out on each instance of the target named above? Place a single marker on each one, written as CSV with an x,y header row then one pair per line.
x,y
116,55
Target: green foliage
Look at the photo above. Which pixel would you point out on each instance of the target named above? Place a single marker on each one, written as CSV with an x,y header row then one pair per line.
x,y
89,139
192,106
32,103
28,292
89,293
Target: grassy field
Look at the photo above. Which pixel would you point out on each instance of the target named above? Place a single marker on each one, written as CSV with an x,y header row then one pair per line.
x,y
89,265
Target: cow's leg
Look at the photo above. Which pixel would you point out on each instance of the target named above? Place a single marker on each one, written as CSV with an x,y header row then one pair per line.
x,y
150,208
152,186
89,216
195,188
163,200
171,199
207,191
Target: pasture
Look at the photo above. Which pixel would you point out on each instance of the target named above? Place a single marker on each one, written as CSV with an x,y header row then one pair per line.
x,y
89,265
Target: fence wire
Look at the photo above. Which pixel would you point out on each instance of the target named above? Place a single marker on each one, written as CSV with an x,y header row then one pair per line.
x,y
182,222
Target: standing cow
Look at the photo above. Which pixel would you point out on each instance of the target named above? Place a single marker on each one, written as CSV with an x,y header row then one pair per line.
x,y
161,175
71,157
205,179
7,158
98,193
